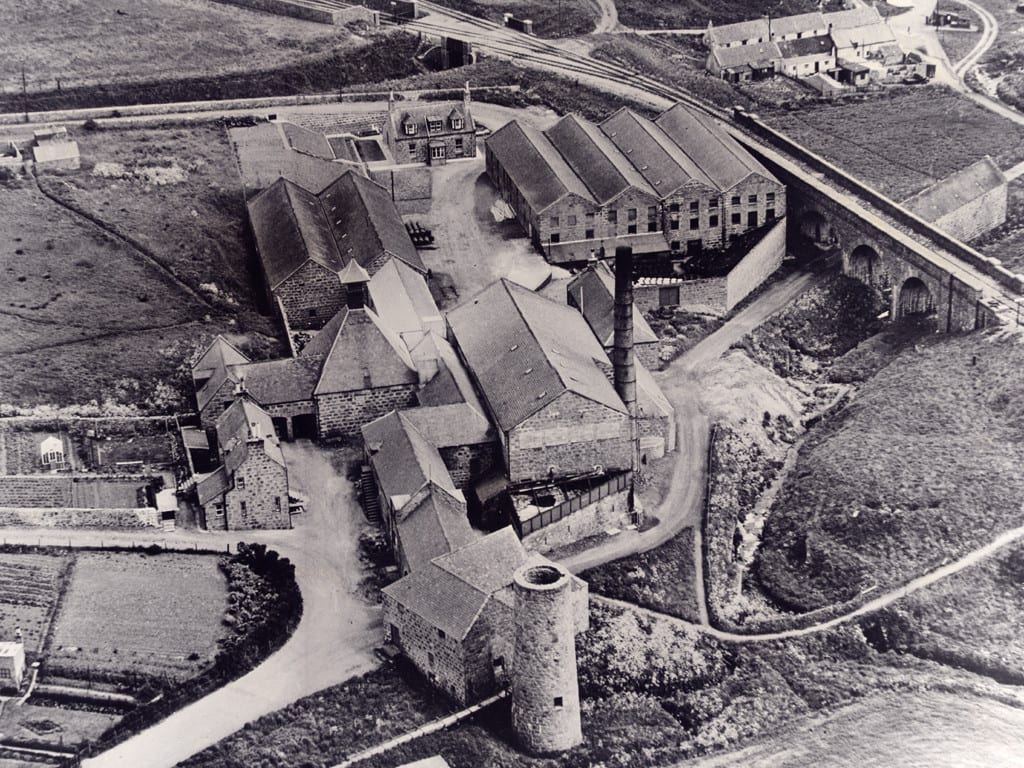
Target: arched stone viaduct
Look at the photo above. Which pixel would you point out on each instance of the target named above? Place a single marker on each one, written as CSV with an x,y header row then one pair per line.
x,y
919,277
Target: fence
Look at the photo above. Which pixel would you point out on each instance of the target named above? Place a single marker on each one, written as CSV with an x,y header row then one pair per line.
x,y
553,514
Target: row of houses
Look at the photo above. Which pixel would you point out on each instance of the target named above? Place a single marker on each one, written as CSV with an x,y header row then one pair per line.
x,y
849,47
678,182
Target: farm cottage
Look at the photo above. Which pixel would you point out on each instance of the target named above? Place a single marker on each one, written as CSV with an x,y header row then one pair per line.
x,y
433,133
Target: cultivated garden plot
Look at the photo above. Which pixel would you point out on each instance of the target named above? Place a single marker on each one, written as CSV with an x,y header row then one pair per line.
x,y
29,586
148,615
53,725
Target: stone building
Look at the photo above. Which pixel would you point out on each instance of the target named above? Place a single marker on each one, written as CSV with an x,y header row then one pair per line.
x,y
539,371
965,204
431,132
250,487
454,618
12,665
305,241
52,148
678,183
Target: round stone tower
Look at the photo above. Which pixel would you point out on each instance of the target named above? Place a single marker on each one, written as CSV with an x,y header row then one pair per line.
x,y
545,691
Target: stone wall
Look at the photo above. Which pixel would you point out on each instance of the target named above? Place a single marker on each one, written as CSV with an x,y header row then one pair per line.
x,y
69,517
222,398
73,491
976,217
460,461
416,149
488,651
311,296
610,512
342,414
309,12
410,188
757,266
569,437
438,657
709,293
262,502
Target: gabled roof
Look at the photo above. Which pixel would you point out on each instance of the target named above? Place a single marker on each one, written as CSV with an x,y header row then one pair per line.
x,y
291,229
365,223
526,350
593,292
439,110
738,32
218,376
435,526
402,300
759,55
448,426
873,34
800,23
702,138
363,354
241,422
956,190
307,142
820,45
452,591
212,485
665,167
264,157
452,383
219,354
536,168
861,16
273,382
606,172
404,462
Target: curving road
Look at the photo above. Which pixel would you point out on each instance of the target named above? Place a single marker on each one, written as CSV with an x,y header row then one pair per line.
x,y
989,31
333,642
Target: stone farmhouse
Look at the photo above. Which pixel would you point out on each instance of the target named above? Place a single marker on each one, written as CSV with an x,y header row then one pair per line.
x,y
431,133
12,665
678,183
965,204
306,240
854,47
250,487
454,618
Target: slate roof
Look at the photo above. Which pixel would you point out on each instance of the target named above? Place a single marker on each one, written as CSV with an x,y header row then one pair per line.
x,y
526,350
434,527
418,114
956,190
800,23
402,299
702,138
861,16
537,169
212,485
51,152
448,426
242,421
808,46
659,160
219,354
606,172
213,385
290,229
738,32
874,34
363,354
308,142
452,383
593,291
452,591
365,223
758,55
264,157
403,460
272,382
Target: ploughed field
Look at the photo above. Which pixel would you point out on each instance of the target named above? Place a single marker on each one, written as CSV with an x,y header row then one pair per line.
x,y
29,585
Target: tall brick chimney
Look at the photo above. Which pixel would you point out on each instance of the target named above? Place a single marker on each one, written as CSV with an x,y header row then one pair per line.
x,y
623,360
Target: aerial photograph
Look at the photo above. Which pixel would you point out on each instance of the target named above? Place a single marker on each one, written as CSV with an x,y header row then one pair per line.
x,y
511,384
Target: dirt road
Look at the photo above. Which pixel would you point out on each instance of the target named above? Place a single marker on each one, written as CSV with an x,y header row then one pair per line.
x,y
332,643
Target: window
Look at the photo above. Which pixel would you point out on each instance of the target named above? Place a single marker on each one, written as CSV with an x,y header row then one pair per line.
x,y
556,237
441,634
674,208
668,297
571,219
694,206
588,234
5,672
674,245
631,214
589,218
694,223
652,212
631,229
769,197
458,145
410,128
437,152
240,483
312,312
736,200
736,218
457,123
613,216
769,214
434,125
713,221
652,226
713,202
752,199
241,507
558,702
673,224
554,221
277,503
412,147
752,219
430,658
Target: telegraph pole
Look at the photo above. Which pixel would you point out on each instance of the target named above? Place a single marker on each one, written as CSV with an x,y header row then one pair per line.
x,y
24,92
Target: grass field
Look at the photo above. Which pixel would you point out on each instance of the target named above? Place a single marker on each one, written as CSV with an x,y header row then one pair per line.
x,y
684,14
937,132
29,586
107,40
53,725
922,466
551,18
88,318
1006,242
129,613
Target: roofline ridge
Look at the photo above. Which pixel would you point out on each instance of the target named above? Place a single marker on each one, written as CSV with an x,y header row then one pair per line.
x,y
584,124
533,333
330,352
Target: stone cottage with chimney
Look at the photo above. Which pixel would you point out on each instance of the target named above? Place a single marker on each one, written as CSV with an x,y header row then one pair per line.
x,y
430,132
